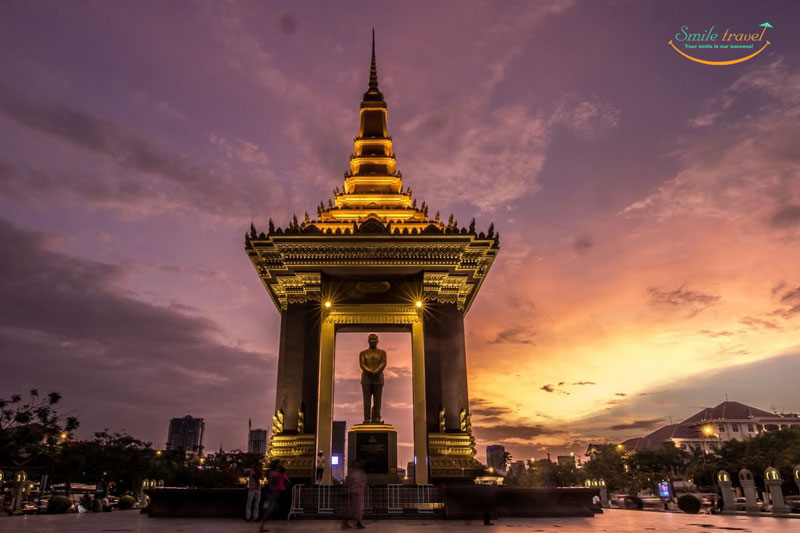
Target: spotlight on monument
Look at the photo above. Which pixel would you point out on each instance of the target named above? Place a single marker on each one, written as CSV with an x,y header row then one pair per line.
x,y
418,303
328,304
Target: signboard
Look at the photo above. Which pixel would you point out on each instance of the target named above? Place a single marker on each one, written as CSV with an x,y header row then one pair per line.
x,y
664,490
373,450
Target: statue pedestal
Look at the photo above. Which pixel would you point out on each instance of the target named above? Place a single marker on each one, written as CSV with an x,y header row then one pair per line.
x,y
374,446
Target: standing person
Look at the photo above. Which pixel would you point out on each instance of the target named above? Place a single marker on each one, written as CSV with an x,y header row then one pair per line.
x,y
253,496
320,466
356,485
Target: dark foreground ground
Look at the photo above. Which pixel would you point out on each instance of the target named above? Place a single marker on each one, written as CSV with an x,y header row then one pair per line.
x,y
611,521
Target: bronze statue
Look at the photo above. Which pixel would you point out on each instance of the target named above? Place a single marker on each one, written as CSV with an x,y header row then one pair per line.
x,y
372,362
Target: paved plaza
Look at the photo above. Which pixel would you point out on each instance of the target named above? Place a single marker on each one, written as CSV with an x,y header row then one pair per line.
x,y
611,521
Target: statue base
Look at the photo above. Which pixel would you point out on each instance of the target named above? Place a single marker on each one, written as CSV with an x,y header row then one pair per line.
x,y
374,448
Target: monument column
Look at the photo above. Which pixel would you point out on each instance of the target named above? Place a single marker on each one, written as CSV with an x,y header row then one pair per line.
x,y
327,347
296,390
446,366
418,392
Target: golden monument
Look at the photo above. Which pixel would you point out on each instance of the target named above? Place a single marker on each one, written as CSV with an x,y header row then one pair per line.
x,y
373,260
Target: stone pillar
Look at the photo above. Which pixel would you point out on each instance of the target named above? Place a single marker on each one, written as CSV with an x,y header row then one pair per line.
x,y
774,483
421,468
295,417
325,408
445,366
725,486
749,489
297,367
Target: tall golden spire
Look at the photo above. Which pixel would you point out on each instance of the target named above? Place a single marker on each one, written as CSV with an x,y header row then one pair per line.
x,y
373,188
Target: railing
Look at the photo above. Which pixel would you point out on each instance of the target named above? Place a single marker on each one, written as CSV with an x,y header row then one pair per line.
x,y
387,500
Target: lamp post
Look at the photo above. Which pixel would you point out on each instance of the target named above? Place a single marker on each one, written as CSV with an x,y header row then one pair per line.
x,y
707,432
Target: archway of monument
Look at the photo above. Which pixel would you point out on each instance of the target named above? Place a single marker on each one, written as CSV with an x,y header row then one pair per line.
x,y
396,404
370,318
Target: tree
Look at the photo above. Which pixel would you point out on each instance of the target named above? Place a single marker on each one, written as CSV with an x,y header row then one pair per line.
x,y
30,429
609,463
545,473
507,458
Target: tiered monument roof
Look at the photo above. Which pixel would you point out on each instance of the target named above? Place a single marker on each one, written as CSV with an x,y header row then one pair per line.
x,y
372,223
373,187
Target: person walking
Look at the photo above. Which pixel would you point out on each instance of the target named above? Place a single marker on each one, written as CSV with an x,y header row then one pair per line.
x,y
356,486
277,481
253,496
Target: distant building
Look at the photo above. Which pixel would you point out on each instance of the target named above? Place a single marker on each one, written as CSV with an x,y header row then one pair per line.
x,y
564,460
186,434
495,457
706,430
593,449
338,446
257,441
411,469
516,468
401,473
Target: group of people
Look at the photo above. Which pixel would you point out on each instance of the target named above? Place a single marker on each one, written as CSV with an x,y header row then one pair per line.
x,y
267,495
268,500
99,503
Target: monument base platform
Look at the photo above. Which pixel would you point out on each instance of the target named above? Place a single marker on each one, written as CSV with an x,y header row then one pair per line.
x,y
373,448
452,458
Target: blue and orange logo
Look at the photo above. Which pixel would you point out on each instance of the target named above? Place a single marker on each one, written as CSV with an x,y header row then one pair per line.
x,y
730,40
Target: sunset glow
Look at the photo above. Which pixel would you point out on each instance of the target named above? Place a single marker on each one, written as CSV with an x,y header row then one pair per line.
x,y
648,206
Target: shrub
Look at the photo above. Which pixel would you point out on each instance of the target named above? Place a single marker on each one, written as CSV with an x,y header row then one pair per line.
x,y
689,504
58,504
126,502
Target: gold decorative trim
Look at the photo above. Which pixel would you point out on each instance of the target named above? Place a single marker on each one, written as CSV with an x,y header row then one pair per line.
x,y
296,453
451,444
356,428
444,287
298,288
372,314
452,455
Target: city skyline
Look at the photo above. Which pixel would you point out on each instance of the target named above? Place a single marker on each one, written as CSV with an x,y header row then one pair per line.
x,y
649,207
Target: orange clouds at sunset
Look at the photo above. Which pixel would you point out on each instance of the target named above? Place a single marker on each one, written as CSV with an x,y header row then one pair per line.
x,y
648,206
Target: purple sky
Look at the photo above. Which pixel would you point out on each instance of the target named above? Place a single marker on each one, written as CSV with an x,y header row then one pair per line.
x,y
649,206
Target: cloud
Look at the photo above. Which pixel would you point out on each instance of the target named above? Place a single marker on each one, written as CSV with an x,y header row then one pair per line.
x,y
116,359
144,176
522,431
787,216
584,383
588,119
491,411
693,302
637,424
583,243
514,336
749,169
756,322
790,298
553,388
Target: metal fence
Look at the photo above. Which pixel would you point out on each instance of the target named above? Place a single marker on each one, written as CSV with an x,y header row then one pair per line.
x,y
334,500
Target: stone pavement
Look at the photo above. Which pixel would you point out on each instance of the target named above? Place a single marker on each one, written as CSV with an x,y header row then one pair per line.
x,y
616,521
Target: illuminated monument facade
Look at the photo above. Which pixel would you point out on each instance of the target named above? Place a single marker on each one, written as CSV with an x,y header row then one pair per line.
x,y
373,260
